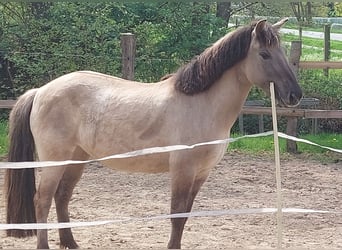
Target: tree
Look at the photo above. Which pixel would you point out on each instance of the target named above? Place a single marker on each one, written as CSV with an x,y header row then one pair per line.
x,y
303,12
41,41
40,9
331,9
224,10
338,9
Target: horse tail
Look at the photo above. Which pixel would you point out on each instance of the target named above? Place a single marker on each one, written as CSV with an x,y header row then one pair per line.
x,y
20,185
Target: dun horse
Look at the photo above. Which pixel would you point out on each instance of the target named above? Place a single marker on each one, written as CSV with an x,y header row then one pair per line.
x,y
84,115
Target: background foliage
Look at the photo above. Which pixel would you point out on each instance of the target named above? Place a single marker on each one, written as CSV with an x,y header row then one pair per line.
x,y
43,40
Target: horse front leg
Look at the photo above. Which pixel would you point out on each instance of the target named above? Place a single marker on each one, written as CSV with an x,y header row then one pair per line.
x,y
179,204
184,188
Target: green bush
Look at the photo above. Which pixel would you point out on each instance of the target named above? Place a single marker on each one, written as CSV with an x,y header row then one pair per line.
x,y
315,85
327,89
3,138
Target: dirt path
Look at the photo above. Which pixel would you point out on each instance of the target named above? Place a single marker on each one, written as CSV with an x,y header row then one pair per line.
x,y
237,182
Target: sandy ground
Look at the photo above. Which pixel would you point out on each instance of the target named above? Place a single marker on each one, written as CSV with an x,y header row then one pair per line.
x,y
238,182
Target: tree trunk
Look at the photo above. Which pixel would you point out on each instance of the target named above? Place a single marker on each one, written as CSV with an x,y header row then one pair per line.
x,y
302,12
40,9
297,11
309,12
198,10
6,82
224,10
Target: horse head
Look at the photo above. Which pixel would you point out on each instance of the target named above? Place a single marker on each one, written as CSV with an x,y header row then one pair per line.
x,y
266,62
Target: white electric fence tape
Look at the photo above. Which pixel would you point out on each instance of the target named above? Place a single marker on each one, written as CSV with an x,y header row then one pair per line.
x,y
277,166
247,211
285,136
153,150
18,165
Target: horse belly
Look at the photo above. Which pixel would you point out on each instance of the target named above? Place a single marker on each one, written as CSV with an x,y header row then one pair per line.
x,y
157,163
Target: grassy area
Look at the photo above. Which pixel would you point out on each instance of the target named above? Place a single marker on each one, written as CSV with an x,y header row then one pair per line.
x,y
262,145
3,138
314,42
317,28
313,48
258,145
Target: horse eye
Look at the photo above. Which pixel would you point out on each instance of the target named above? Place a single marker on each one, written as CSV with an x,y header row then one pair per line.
x,y
265,55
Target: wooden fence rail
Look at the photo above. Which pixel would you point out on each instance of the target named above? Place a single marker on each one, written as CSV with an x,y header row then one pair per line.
x,y
294,59
320,65
254,110
7,104
291,113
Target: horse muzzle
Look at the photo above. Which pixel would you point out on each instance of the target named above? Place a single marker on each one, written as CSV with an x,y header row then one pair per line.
x,y
290,99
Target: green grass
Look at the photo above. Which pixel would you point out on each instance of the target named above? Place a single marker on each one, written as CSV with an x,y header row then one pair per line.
x,y
318,28
315,42
313,48
262,145
3,138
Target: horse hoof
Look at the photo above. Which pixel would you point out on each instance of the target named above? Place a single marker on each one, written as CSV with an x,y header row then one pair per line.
x,y
70,245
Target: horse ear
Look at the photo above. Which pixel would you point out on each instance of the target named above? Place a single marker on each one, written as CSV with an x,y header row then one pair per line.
x,y
260,26
278,25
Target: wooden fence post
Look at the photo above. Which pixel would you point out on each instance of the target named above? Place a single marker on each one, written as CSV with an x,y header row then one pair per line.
x,y
300,31
294,57
128,55
326,46
291,128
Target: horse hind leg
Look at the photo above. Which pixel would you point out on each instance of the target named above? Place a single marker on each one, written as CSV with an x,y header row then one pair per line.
x,y
70,178
62,198
50,186
49,180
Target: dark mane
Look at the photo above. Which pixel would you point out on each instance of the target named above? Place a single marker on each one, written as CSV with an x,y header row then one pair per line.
x,y
204,70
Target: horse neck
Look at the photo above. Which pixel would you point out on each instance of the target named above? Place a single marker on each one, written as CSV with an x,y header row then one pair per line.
x,y
228,95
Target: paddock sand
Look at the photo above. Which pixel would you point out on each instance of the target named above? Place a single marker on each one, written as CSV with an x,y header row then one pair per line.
x,y
238,182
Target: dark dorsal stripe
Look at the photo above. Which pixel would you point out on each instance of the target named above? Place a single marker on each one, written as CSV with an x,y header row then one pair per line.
x,y
204,70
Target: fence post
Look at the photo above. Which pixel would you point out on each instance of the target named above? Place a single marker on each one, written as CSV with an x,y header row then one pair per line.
x,y
291,128
294,57
326,46
128,55
300,31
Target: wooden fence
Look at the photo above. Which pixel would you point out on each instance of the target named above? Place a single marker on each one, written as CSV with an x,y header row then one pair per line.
x,y
254,110
7,104
292,114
